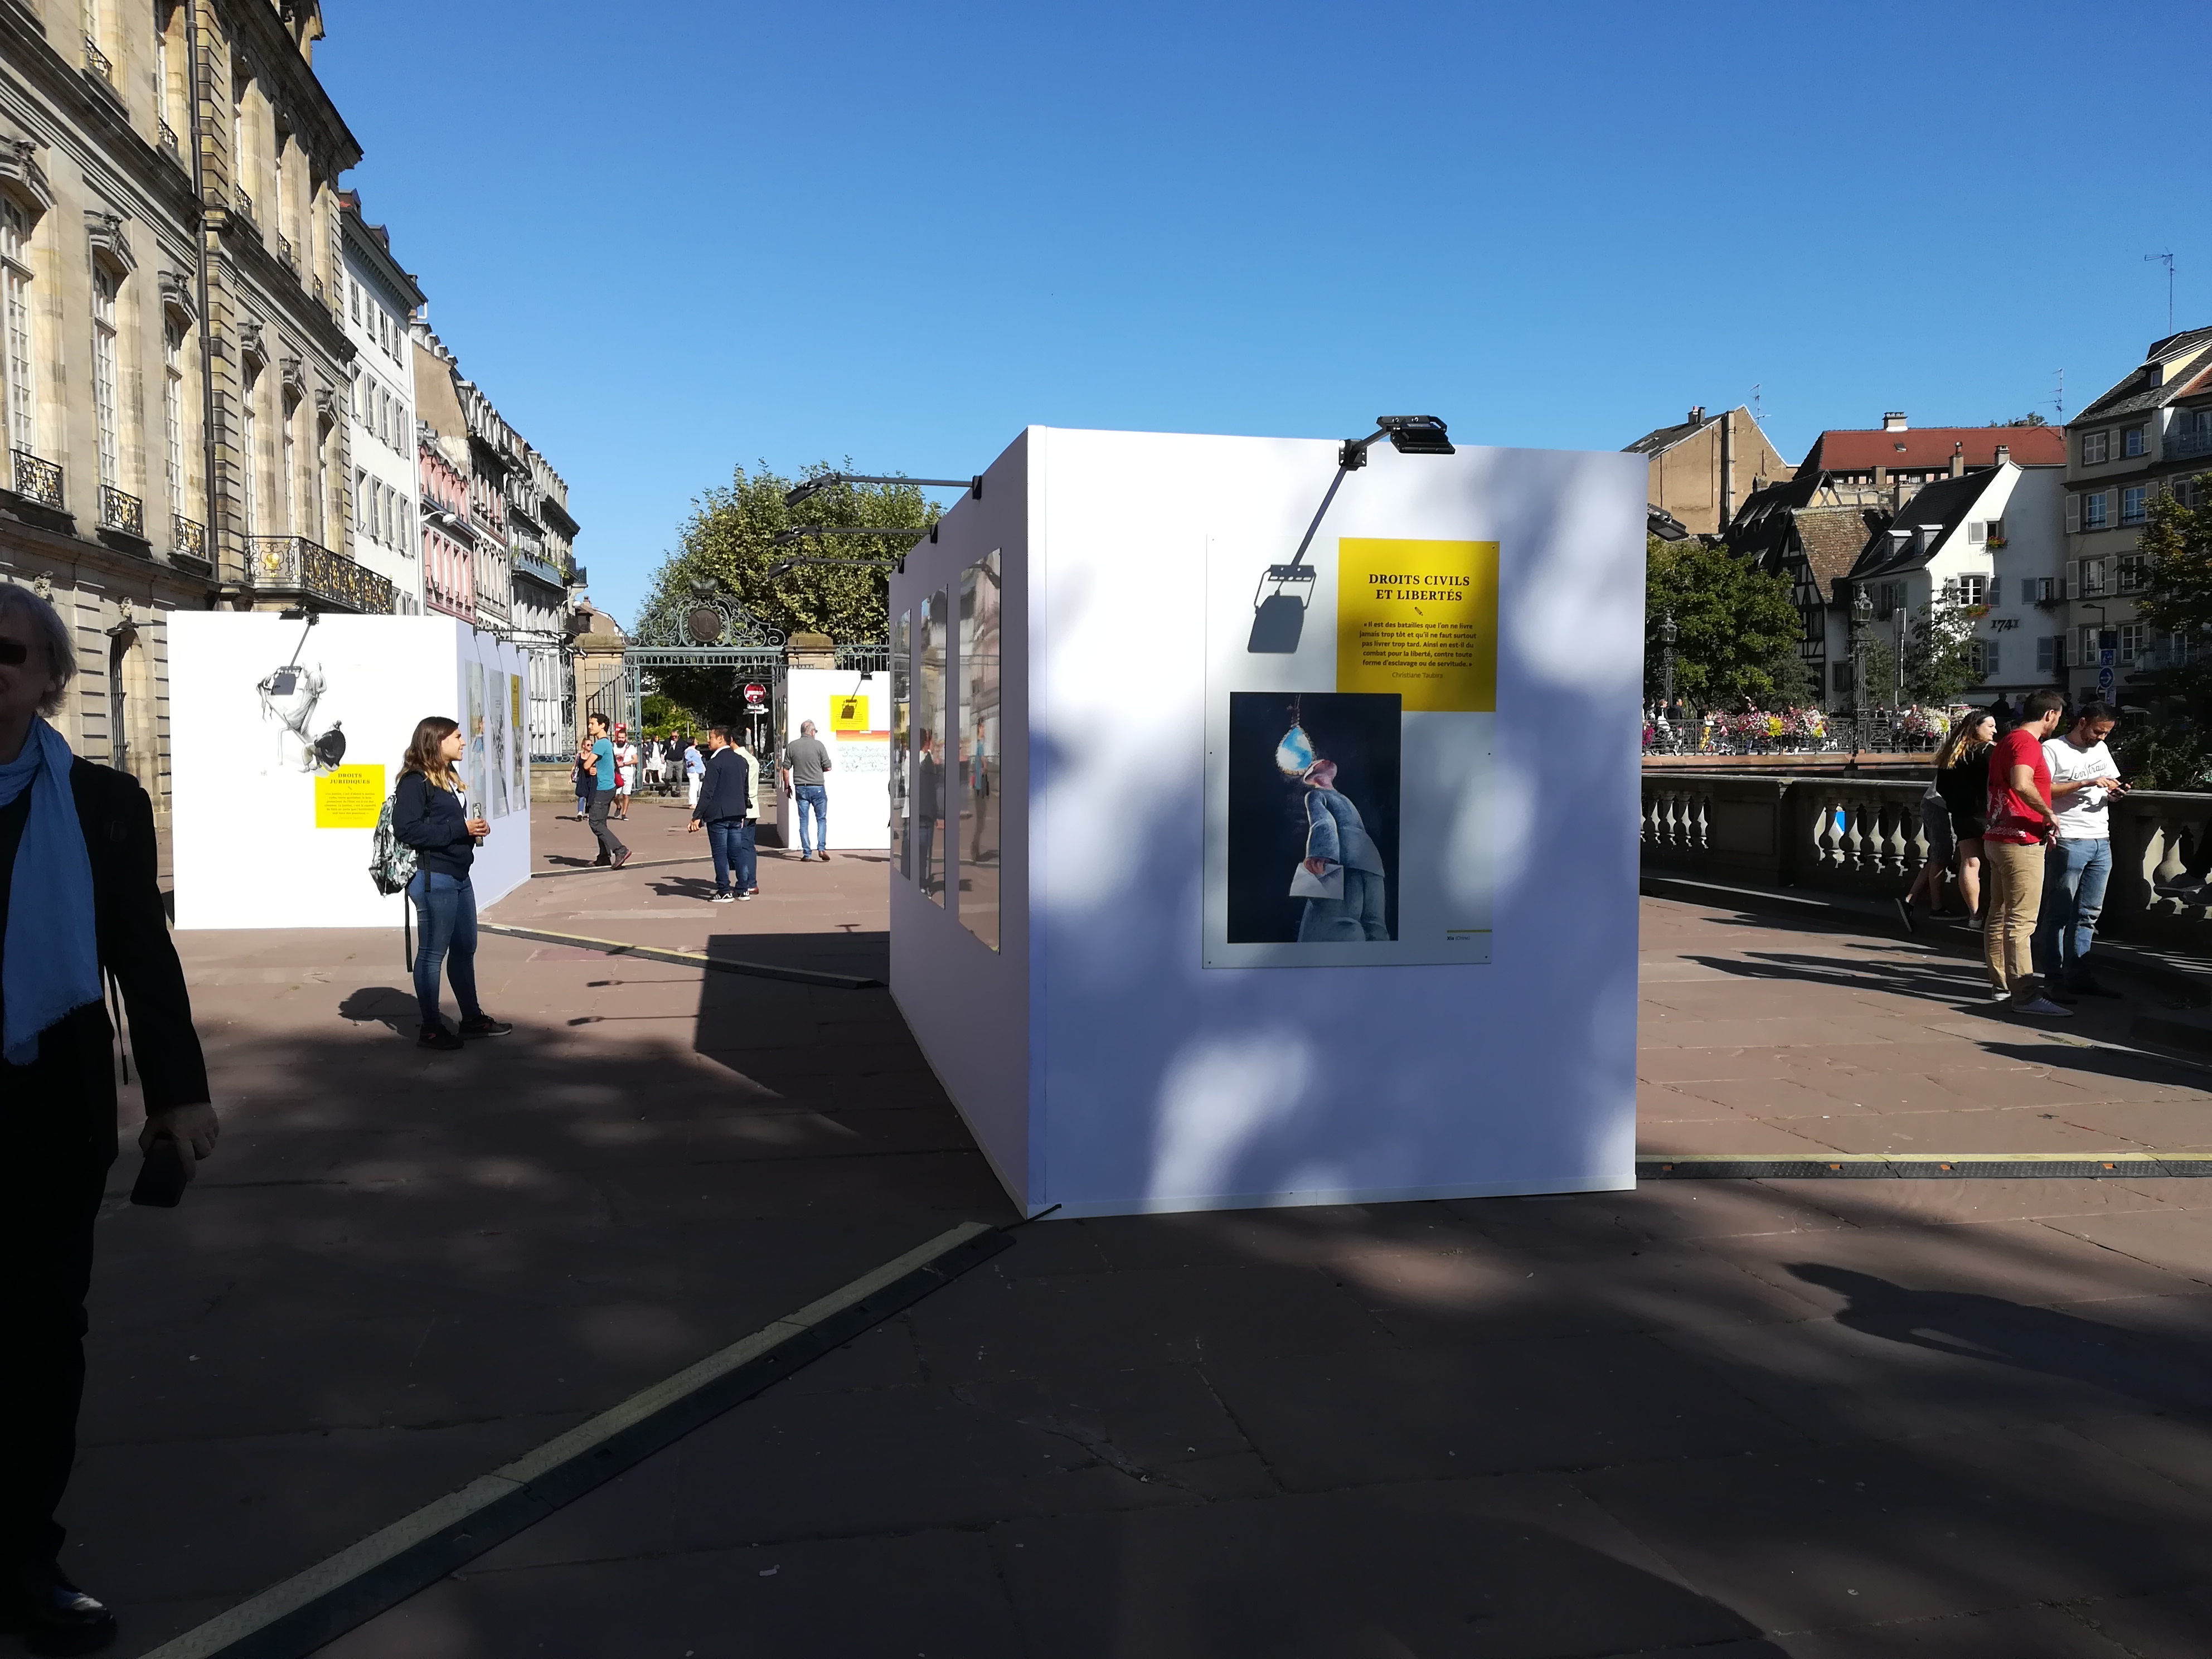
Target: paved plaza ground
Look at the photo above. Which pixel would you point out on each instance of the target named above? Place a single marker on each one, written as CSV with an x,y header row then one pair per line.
x,y
1819,1418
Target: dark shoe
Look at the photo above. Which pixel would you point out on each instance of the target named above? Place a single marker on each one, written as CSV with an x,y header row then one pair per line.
x,y
1905,914
485,1025
437,1037
601,862
823,855
2092,988
52,1614
2060,994
723,898
621,858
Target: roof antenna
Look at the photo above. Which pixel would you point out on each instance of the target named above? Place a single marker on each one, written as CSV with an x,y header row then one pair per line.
x,y
1758,408
2167,260
2058,398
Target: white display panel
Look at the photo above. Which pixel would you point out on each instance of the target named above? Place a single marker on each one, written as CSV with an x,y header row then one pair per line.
x,y
851,714
1484,1043
265,835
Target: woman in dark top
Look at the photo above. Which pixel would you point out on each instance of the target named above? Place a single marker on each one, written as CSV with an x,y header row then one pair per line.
x,y
429,812
1962,778
78,901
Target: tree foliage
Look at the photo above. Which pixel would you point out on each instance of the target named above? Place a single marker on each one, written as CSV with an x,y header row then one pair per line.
x,y
1736,630
2178,541
728,543
729,540
1939,655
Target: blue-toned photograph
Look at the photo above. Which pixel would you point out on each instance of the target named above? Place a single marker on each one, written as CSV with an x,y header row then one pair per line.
x,y
1313,817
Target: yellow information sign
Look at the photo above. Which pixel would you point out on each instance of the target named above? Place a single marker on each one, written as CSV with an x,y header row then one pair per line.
x,y
849,717
1419,618
348,797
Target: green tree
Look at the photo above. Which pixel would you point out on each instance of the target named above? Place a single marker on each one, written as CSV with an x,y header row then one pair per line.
x,y
728,543
1939,655
2177,539
1736,631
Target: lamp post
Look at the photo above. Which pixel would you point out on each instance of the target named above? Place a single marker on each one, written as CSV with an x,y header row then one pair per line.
x,y
1862,620
1668,634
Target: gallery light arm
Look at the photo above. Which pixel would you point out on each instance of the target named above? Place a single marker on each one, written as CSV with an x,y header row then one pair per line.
x,y
800,532
822,481
1278,618
785,567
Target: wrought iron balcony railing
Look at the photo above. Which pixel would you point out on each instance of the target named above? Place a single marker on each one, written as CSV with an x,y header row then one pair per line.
x,y
295,564
2182,444
38,480
188,544
284,251
95,61
119,511
172,146
245,205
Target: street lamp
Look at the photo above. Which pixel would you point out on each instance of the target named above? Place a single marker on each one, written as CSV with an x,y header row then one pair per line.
x,y
1280,618
822,481
1862,620
1668,634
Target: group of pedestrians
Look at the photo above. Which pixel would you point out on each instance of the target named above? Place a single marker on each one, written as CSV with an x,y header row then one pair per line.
x,y
2021,817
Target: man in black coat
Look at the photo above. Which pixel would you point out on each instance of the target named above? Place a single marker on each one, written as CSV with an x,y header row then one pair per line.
x,y
57,1106
725,797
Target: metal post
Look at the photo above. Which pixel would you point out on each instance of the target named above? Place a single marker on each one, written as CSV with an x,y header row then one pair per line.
x,y
1862,619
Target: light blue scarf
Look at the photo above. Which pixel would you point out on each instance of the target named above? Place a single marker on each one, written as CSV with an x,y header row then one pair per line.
x,y
50,961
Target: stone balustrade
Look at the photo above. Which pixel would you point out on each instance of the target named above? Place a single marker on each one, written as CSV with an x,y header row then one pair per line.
x,y
1844,833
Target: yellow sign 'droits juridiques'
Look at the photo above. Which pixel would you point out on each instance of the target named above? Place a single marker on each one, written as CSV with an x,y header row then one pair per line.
x,y
1419,618
350,797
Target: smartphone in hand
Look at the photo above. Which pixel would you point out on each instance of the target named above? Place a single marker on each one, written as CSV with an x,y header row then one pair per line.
x,y
162,1177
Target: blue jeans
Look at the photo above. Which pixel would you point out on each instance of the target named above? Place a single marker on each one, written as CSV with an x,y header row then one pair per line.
x,y
731,840
816,797
2074,873
446,906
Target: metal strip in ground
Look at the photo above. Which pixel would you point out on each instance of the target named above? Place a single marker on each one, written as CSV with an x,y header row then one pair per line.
x,y
614,947
609,869
314,1608
1957,1166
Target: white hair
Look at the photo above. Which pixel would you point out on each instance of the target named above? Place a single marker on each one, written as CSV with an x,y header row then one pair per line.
x,y
53,637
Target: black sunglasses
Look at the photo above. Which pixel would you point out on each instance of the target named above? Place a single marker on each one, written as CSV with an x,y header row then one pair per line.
x,y
13,654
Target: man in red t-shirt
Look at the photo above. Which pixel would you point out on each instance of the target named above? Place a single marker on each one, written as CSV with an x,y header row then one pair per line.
x,y
2020,823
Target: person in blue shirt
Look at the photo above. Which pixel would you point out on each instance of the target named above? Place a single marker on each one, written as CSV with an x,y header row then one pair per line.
x,y
598,760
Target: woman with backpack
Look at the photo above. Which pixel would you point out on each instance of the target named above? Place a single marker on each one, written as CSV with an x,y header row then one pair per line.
x,y
429,812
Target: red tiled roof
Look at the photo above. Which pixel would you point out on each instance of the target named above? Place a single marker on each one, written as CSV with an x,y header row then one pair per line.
x,y
1924,448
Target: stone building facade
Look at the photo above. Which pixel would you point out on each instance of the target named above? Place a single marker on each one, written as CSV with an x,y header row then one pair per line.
x,y
380,300
172,366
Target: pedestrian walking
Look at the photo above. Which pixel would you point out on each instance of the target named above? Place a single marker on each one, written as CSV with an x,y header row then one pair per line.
x,y
430,813
625,770
805,763
2084,782
599,759
2020,820
654,754
78,902
582,777
695,770
749,842
1952,812
723,796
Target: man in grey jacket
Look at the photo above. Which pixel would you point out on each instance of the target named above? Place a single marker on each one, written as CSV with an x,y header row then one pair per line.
x,y
1338,842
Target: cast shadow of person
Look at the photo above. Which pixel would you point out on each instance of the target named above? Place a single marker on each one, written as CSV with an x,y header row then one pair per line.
x,y
2171,1373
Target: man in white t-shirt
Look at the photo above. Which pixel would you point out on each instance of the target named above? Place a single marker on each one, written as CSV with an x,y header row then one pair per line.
x,y
2083,781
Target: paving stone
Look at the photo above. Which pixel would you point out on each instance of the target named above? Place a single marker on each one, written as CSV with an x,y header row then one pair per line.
x,y
929,1593
2169,1625
2010,1633
1501,1569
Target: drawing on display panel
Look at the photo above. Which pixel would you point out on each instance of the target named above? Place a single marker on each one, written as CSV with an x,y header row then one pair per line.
x,y
1313,817
518,728
931,853
979,748
902,745
495,745
473,695
291,697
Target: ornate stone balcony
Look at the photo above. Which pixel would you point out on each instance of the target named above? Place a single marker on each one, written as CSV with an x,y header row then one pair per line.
x,y
119,510
293,564
96,61
38,480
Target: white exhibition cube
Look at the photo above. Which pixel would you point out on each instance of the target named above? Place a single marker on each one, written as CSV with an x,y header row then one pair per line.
x,y
1124,715
850,711
267,834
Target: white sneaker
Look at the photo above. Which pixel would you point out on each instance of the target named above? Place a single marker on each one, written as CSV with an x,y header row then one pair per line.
x,y
2045,1006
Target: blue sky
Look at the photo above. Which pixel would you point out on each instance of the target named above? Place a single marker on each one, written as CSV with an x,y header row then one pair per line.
x,y
676,238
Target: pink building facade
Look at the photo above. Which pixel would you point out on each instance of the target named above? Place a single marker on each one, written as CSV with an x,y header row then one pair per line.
x,y
449,582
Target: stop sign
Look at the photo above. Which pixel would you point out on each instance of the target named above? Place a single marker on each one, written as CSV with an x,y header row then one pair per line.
x,y
755,695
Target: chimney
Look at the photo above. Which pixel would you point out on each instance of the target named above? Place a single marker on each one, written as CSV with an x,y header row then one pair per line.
x,y
1893,420
1958,460
1697,414
2004,453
